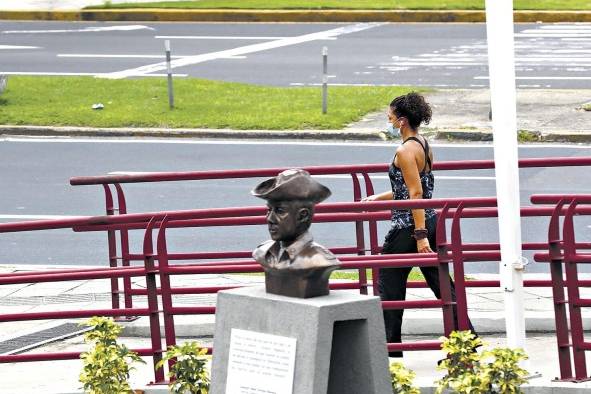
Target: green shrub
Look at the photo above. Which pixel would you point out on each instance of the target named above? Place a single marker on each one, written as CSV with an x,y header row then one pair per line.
x,y
494,371
106,366
500,369
188,374
402,379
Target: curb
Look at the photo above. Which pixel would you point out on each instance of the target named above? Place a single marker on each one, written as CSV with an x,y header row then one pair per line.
x,y
59,131
425,323
219,15
324,135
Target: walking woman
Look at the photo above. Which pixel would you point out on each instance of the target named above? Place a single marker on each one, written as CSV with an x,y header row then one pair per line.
x,y
412,230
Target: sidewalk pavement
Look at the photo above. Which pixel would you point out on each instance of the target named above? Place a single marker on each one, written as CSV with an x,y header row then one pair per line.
x,y
543,115
485,308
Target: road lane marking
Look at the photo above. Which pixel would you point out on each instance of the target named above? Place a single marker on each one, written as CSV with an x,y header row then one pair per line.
x,y
102,55
573,26
550,35
438,177
81,74
347,176
191,60
37,217
543,78
141,140
84,30
17,47
227,38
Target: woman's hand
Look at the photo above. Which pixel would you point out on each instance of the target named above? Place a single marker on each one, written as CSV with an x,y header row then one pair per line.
x,y
423,246
373,197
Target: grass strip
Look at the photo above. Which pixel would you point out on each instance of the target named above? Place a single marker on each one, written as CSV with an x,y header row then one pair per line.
x,y
354,4
67,101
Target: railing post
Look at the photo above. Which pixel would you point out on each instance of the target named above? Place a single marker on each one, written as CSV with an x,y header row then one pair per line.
x,y
572,282
443,269
124,238
359,236
373,237
152,290
112,246
458,264
166,291
560,318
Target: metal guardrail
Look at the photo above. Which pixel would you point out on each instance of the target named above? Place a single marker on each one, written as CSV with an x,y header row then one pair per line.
x,y
565,251
157,263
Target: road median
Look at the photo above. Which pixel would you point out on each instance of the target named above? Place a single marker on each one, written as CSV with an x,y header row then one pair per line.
x,y
351,134
235,15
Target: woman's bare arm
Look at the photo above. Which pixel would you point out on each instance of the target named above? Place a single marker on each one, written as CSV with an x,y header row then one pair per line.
x,y
410,172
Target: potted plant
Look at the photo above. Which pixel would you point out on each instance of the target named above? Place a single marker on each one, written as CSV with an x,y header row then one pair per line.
x,y
107,365
188,374
494,371
402,379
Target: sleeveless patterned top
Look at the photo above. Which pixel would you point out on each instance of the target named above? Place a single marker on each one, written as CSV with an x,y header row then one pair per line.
x,y
402,218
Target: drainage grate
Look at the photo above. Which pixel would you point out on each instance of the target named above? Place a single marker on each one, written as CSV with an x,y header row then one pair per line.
x,y
39,338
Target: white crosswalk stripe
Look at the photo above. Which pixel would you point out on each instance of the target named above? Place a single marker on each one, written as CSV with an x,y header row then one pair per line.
x,y
545,52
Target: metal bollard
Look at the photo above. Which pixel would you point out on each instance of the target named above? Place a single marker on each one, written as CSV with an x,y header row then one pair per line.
x,y
324,80
3,82
169,72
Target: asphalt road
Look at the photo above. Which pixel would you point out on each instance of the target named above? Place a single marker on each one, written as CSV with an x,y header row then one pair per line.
x,y
436,55
36,172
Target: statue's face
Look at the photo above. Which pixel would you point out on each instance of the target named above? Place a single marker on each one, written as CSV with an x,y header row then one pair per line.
x,y
284,219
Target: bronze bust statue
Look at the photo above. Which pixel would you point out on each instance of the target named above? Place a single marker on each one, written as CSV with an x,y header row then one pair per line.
x,y
294,264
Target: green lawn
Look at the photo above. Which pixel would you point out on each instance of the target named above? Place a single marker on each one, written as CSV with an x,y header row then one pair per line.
x,y
357,4
67,101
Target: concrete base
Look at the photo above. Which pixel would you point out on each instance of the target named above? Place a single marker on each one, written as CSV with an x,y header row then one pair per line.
x,y
341,346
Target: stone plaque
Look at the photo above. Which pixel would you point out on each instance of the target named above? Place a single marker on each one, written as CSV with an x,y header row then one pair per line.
x,y
260,363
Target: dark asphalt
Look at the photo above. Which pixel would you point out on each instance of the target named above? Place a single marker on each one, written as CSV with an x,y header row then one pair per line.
x,y
36,174
436,55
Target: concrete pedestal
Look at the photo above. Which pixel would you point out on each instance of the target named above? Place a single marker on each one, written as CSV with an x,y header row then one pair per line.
x,y
340,349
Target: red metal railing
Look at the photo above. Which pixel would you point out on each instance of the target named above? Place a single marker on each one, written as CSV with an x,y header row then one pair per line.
x,y
446,252
355,171
564,251
454,252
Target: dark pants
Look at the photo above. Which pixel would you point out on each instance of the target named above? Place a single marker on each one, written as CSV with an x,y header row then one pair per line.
x,y
392,282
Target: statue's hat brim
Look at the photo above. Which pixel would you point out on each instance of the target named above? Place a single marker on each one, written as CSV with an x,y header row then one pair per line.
x,y
293,184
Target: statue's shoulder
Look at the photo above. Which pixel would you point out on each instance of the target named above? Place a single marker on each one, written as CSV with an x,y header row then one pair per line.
x,y
322,255
259,253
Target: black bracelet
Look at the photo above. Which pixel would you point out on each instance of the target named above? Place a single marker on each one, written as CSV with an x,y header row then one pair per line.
x,y
420,233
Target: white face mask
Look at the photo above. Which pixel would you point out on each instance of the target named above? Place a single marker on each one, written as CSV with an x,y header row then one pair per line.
x,y
392,131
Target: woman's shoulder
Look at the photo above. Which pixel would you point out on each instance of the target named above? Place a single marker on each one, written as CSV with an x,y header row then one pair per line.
x,y
404,152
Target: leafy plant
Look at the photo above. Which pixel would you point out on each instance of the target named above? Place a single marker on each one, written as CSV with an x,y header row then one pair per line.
x,y
188,374
494,371
107,365
461,360
502,371
402,379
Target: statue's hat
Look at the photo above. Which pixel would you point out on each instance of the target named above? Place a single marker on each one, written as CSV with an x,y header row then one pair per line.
x,y
293,184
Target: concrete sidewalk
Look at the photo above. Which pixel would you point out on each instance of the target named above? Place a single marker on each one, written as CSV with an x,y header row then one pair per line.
x,y
486,312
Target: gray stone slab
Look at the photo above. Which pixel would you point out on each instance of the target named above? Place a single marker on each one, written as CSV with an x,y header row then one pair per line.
x,y
340,348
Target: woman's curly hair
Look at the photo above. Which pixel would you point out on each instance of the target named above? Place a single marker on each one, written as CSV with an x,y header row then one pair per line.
x,y
413,107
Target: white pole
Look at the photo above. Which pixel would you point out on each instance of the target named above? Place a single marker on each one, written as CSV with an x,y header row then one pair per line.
x,y
169,74
501,63
324,80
